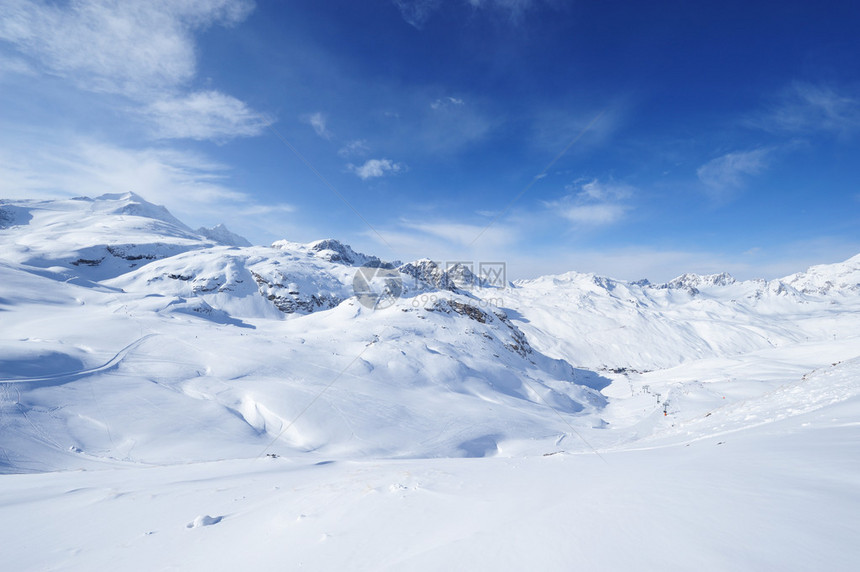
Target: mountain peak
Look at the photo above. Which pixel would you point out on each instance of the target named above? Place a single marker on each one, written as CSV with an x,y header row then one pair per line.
x,y
132,204
222,235
334,250
825,277
691,281
128,196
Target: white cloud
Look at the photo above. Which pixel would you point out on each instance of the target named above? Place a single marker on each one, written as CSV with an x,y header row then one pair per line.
x,y
355,148
557,129
632,263
194,188
13,65
144,51
514,8
318,122
205,115
449,242
417,12
443,241
729,171
462,234
256,210
452,241
448,127
594,203
511,242
599,214
806,107
373,168
120,47
595,190
83,167
444,102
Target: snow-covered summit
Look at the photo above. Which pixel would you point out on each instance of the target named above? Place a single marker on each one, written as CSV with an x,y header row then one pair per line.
x,y
693,282
580,281
222,235
841,276
600,322
335,251
97,238
132,204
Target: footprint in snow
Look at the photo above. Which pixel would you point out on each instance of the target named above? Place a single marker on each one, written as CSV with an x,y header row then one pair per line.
x,y
204,520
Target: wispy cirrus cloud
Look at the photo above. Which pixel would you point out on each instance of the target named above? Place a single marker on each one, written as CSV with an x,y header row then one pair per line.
x,y
444,102
418,12
449,124
809,108
205,115
594,203
132,48
375,168
595,214
729,172
83,166
10,65
556,129
143,51
513,8
447,241
354,148
195,188
462,234
444,240
318,122
268,209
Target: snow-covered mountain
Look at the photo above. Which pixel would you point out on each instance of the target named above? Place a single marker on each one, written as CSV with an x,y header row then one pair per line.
x,y
424,359
222,235
96,238
140,278
345,403
601,323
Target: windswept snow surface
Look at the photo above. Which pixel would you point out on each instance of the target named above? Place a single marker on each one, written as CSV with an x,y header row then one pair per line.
x,y
175,399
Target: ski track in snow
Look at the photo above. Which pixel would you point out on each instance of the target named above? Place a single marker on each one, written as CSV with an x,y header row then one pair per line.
x,y
75,375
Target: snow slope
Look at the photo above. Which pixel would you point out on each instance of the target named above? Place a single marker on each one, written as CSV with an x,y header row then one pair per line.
x,y
401,385
781,496
197,340
94,238
176,399
600,323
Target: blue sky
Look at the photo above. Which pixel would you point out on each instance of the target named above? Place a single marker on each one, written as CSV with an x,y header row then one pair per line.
x,y
631,139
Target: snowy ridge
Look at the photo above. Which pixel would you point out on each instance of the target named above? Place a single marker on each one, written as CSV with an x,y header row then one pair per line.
x,y
132,204
693,282
599,323
96,238
248,282
812,391
179,396
222,235
842,277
